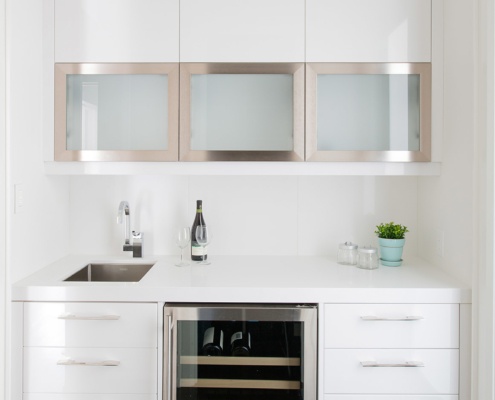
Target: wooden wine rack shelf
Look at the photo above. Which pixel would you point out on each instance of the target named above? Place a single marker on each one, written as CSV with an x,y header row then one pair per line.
x,y
240,384
248,361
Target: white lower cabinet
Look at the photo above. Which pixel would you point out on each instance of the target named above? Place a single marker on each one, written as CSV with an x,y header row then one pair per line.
x,y
392,326
388,397
90,351
65,396
391,352
90,324
385,371
86,370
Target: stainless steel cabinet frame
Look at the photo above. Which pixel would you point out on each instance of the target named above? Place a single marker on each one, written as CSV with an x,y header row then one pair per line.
x,y
153,102
241,112
359,112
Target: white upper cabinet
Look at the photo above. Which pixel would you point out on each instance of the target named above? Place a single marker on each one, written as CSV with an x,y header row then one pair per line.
x,y
368,31
116,31
242,30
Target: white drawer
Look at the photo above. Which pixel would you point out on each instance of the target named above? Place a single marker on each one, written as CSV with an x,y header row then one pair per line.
x,y
90,324
389,397
67,396
136,373
344,372
391,326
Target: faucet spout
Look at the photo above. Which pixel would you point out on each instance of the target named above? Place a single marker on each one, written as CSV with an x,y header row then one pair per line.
x,y
124,216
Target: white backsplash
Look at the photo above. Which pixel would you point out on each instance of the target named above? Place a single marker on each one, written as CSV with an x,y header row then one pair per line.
x,y
249,215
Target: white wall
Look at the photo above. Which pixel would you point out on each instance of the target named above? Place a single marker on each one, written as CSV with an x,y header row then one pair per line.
x,y
38,234
267,215
483,274
447,203
3,221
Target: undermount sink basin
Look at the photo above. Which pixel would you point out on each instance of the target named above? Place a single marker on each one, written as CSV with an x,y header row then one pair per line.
x,y
110,272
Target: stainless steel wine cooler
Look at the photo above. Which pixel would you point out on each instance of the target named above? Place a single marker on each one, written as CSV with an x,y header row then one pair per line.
x,y
240,351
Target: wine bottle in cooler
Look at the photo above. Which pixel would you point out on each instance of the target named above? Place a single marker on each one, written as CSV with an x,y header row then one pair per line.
x,y
196,249
240,341
212,342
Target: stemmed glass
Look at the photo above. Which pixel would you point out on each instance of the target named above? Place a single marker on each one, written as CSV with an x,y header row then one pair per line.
x,y
203,237
182,240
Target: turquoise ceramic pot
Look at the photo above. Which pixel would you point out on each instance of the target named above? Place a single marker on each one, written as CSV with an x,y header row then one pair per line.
x,y
391,249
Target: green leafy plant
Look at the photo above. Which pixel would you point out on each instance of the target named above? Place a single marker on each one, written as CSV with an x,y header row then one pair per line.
x,y
391,231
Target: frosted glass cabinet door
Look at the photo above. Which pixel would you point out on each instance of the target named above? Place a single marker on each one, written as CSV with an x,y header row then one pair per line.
x,y
368,112
116,112
242,112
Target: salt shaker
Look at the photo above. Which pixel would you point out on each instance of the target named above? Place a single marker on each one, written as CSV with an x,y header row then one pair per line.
x,y
368,258
348,252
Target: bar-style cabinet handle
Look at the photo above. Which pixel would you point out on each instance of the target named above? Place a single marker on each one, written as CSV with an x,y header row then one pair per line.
x,y
104,363
70,316
406,364
405,318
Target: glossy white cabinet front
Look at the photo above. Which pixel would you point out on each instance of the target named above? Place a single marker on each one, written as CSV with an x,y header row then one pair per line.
x,y
135,372
82,349
392,326
344,372
242,30
66,396
368,31
386,397
391,349
90,324
117,31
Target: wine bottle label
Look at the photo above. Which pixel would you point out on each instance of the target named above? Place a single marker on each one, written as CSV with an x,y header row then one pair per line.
x,y
235,336
209,337
197,250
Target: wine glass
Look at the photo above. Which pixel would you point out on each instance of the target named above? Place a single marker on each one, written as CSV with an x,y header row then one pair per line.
x,y
203,237
182,240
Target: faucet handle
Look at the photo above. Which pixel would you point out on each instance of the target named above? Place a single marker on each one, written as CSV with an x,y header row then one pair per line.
x,y
137,244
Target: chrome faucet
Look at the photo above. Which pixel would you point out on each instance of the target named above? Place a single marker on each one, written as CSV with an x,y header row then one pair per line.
x,y
124,216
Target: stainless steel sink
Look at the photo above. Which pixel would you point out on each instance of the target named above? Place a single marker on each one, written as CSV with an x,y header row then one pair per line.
x,y
110,272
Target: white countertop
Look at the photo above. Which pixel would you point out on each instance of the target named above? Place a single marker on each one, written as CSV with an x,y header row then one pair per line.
x,y
249,279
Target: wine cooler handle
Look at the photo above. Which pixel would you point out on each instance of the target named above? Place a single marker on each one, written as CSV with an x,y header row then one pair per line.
x,y
71,316
405,318
407,364
105,363
169,359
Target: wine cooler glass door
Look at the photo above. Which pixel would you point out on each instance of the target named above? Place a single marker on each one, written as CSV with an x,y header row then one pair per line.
x,y
234,351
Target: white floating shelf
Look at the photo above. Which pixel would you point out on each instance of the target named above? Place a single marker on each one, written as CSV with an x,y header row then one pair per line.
x,y
244,168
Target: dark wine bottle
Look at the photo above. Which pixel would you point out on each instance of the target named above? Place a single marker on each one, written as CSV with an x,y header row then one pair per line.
x,y
212,342
240,342
196,249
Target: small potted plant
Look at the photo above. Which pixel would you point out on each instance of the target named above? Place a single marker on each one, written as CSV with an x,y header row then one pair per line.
x,y
391,241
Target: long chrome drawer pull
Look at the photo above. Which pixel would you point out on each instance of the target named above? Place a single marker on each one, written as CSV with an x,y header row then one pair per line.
x,y
71,316
406,318
105,363
407,364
